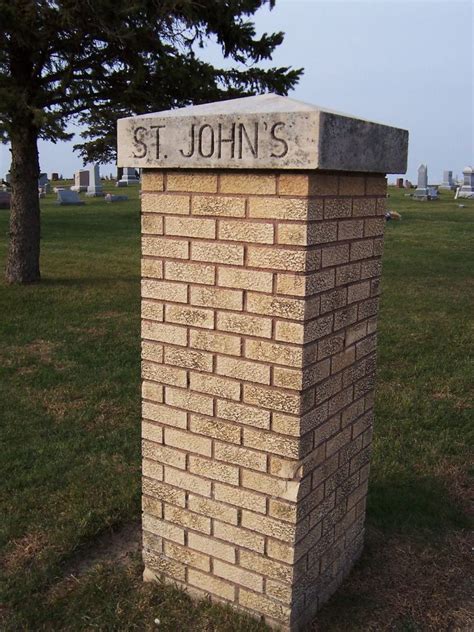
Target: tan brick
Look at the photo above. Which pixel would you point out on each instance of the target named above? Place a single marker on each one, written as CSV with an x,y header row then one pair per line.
x,y
165,247
265,566
254,184
193,316
245,279
212,547
245,324
152,268
188,441
286,446
276,306
285,208
217,297
211,584
293,234
152,310
281,259
286,424
190,227
240,456
240,497
168,456
281,551
288,378
163,414
165,291
166,204
188,358
212,509
238,575
284,468
272,399
376,185
221,343
152,180
215,385
194,402
215,428
232,254
374,227
152,391
362,249
358,291
270,485
335,208
274,352
163,529
152,224
239,536
292,284
184,480
243,414
243,370
157,562
301,184
290,332
152,469
164,492
186,556
152,432
193,272
164,374
217,205
351,229
187,519
248,232
212,469
364,207
164,333
351,185
261,604
335,255
269,526
195,182
279,591
282,511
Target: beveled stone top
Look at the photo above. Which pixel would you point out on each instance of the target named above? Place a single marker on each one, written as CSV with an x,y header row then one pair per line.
x,y
262,132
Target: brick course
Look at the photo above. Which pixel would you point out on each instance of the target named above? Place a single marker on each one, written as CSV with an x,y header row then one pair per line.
x,y
258,346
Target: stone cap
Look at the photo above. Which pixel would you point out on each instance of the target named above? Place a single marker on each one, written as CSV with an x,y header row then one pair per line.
x,y
262,132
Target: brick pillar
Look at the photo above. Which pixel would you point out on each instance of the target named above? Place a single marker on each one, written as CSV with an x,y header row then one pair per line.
x,y
260,292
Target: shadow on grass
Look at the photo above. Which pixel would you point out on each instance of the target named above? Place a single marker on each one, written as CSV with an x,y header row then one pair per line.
x,y
404,501
82,281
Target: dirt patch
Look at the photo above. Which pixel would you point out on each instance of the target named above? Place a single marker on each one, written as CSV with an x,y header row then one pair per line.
x,y
43,350
23,551
59,402
405,583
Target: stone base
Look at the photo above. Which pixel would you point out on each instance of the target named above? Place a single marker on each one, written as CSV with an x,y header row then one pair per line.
x,y
95,193
81,189
466,194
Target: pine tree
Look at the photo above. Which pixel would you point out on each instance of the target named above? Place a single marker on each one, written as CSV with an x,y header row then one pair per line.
x,y
96,61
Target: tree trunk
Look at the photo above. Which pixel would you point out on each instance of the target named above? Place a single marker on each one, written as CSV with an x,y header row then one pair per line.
x,y
24,249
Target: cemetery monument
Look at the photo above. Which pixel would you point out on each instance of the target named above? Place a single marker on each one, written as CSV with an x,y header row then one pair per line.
x,y
95,186
448,182
467,188
262,236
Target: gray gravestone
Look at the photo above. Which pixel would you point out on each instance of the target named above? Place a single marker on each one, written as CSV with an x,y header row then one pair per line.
x,y
81,181
129,176
448,182
43,179
467,189
116,198
95,186
421,191
66,197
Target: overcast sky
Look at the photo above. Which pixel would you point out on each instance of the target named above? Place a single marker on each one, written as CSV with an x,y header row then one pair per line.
x,y
407,63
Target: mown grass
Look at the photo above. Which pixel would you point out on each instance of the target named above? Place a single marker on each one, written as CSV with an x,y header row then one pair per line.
x,y
69,472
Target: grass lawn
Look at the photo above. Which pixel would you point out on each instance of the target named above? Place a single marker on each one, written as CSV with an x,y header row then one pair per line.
x,y
70,454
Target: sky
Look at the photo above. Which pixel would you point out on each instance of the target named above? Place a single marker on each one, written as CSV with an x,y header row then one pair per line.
x,y
407,63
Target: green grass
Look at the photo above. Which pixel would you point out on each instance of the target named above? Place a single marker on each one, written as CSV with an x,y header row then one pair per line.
x,y
70,466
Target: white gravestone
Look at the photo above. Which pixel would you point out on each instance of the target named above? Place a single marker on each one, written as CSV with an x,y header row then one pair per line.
x,y
95,186
66,197
467,189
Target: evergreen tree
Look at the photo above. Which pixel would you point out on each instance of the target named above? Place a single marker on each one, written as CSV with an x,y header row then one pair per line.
x,y
96,61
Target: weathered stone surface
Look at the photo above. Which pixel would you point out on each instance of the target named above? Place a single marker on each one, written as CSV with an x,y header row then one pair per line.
x,y
262,132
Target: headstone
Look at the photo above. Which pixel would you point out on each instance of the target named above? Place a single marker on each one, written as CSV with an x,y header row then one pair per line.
x,y
408,184
116,198
467,189
5,199
399,183
54,176
7,177
81,181
95,186
448,182
66,197
257,425
433,193
129,176
43,179
421,191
